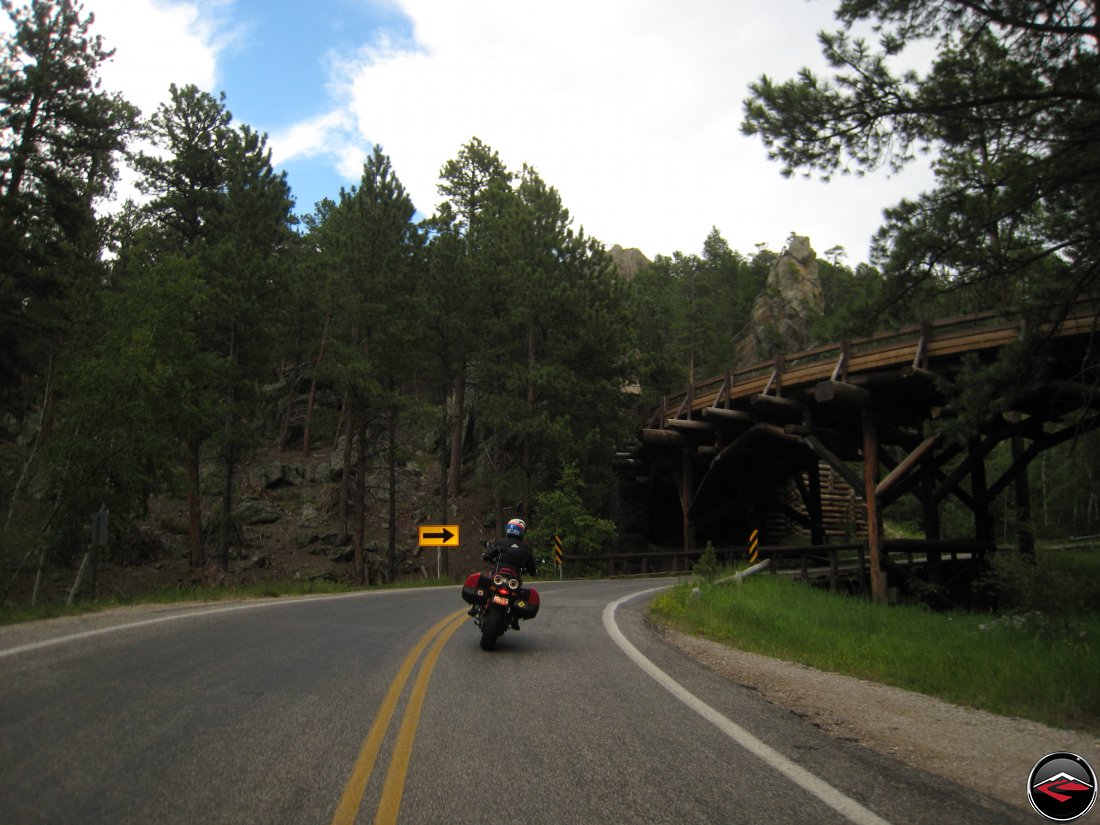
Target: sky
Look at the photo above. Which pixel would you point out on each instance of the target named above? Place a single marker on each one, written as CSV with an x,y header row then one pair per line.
x,y
631,109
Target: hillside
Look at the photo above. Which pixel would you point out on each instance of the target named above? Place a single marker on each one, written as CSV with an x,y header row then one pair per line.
x,y
288,532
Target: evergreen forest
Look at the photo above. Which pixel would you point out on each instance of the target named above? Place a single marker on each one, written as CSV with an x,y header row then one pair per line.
x,y
159,345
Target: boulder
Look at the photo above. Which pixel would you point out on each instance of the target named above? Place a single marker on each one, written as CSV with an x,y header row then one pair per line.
x,y
257,511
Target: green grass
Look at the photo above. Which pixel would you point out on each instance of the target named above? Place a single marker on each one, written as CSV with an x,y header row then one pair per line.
x,y
1027,666
10,614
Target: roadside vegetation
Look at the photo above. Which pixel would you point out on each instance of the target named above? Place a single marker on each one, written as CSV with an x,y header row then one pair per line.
x,y
1036,658
13,613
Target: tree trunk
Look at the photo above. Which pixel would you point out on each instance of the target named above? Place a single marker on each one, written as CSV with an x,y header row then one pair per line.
x,y
528,451
313,387
344,506
194,505
229,462
227,504
38,576
444,486
22,151
284,429
47,398
498,498
459,415
361,573
392,460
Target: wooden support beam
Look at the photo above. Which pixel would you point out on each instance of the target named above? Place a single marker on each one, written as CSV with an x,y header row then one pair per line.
x,y
826,392
1025,535
918,372
984,527
779,403
758,430
722,414
838,466
689,425
840,371
905,467
776,381
687,478
1039,445
661,437
874,517
951,483
810,493
920,358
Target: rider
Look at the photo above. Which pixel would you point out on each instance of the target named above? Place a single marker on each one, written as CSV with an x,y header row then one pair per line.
x,y
513,552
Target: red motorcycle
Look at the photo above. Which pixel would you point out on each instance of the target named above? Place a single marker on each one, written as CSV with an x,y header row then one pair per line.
x,y
498,601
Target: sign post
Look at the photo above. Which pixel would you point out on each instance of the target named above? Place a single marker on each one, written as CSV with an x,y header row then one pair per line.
x,y
438,536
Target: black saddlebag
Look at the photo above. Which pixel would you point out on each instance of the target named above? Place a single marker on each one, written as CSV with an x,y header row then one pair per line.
x,y
526,605
476,588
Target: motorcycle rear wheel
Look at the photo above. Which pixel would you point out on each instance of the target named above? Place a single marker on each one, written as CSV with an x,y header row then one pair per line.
x,y
492,626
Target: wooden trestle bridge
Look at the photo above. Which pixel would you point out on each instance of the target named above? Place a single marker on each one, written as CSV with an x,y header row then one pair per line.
x,y
810,449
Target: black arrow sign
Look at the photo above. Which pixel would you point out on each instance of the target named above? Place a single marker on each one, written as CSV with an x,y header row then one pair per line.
x,y
446,535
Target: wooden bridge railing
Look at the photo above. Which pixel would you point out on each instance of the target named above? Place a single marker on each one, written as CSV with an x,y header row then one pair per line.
x,y
909,348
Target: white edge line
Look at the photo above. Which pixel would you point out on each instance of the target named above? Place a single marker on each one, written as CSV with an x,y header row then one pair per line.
x,y
836,800
186,614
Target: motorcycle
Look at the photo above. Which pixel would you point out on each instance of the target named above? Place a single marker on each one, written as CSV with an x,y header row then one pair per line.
x,y
497,600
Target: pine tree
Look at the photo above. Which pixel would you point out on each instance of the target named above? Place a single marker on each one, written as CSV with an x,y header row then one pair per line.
x,y
1010,109
368,245
60,137
219,212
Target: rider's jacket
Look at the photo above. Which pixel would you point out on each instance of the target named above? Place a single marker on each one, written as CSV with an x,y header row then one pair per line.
x,y
514,553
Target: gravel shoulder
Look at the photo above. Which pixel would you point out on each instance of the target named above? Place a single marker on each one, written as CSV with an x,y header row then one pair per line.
x,y
981,750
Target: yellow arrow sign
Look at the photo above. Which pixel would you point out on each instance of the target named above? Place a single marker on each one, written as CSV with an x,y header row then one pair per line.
x,y
439,535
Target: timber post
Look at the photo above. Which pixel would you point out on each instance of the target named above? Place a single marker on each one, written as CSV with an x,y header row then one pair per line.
x,y
874,517
687,481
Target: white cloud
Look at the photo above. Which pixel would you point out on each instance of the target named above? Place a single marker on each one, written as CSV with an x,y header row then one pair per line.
x,y
631,109
157,44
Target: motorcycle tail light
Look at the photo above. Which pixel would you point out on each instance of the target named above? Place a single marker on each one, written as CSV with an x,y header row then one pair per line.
x,y
498,580
504,591
513,584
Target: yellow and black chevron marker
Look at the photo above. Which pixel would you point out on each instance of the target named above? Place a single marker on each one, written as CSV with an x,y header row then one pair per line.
x,y
559,557
754,546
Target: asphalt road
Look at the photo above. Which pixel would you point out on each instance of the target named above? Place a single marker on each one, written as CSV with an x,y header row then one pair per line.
x,y
268,713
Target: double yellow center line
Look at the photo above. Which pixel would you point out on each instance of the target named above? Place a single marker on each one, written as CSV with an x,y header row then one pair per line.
x,y
394,786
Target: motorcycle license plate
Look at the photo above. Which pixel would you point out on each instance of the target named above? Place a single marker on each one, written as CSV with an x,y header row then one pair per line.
x,y
500,600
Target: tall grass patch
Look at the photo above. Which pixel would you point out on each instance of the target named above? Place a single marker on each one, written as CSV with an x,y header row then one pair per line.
x,y
1018,665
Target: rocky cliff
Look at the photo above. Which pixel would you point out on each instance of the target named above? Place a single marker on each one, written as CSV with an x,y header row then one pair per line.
x,y
629,262
781,315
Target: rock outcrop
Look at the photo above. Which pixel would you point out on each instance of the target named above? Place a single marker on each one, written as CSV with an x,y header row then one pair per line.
x,y
628,262
781,315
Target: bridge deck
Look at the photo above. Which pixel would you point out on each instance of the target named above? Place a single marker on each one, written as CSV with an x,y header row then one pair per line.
x,y
912,349
752,448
